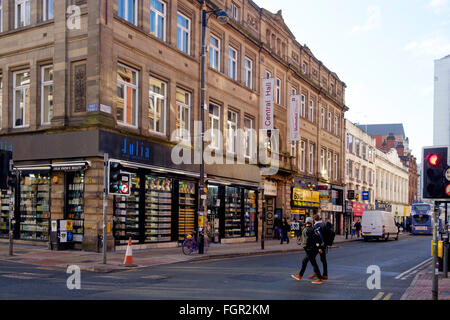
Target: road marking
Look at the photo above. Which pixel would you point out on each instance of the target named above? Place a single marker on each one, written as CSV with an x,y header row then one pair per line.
x,y
413,268
388,296
378,296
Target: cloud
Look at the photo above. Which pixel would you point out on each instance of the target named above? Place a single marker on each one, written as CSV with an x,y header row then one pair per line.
x,y
373,20
437,3
435,47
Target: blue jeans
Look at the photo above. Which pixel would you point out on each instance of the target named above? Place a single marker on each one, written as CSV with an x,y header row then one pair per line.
x,y
284,236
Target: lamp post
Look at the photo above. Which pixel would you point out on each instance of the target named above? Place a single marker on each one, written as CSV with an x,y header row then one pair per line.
x,y
222,17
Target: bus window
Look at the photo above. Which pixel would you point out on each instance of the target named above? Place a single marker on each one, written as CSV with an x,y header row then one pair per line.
x,y
421,219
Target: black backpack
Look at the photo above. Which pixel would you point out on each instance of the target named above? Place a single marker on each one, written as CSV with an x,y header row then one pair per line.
x,y
328,235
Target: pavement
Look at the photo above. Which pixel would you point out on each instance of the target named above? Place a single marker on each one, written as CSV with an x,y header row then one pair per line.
x,y
421,287
92,261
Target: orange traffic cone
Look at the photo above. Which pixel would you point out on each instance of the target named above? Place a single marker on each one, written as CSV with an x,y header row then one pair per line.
x,y
128,261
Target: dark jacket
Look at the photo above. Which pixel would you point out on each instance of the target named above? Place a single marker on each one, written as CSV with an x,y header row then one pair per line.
x,y
286,227
310,240
318,227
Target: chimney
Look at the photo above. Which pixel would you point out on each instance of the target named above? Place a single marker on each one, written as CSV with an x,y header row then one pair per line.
x,y
400,149
390,141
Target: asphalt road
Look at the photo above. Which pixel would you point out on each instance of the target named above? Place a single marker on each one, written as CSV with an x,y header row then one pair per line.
x,y
265,277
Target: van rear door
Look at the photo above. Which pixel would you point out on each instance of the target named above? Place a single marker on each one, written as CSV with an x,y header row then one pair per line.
x,y
370,223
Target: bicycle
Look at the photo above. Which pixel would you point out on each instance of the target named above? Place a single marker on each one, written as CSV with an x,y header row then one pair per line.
x,y
190,244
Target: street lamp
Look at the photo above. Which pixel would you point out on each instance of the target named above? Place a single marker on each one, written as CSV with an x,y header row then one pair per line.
x,y
222,18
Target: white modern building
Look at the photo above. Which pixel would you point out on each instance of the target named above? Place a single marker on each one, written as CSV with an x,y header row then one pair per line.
x,y
441,123
392,182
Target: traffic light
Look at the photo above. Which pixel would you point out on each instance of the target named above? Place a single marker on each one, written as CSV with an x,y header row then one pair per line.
x,y
119,181
5,170
436,173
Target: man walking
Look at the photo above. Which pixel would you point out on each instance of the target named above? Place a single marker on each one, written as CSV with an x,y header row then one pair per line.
x,y
285,228
358,229
318,228
311,243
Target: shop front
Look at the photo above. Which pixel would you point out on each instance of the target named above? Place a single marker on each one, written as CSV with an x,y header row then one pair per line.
x,y
232,212
358,210
61,177
304,203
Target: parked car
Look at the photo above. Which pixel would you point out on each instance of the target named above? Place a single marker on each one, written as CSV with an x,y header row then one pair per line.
x,y
378,225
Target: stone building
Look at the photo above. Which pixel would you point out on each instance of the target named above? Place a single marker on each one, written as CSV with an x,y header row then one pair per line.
x,y
86,78
360,171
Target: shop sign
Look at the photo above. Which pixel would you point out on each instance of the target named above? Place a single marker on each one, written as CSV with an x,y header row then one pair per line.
x,y
326,206
305,198
337,208
92,108
295,226
68,168
105,108
267,107
358,209
366,195
270,188
295,118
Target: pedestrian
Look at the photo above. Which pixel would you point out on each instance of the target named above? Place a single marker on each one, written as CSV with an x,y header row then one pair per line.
x,y
358,229
285,228
277,229
311,244
353,229
319,226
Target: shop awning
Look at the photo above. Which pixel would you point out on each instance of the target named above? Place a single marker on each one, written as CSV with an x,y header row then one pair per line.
x,y
135,165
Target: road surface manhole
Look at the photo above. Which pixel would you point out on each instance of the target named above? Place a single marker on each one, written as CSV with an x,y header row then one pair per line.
x,y
155,277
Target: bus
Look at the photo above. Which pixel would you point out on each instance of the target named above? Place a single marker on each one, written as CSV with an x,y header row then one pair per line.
x,y
422,218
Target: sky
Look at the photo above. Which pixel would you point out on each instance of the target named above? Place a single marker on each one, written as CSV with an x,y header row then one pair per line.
x,y
384,51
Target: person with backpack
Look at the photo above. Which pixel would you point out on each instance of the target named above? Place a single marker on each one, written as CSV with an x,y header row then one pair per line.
x,y
358,229
326,233
285,228
311,243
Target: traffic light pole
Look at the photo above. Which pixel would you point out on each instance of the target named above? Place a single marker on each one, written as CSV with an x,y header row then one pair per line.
x,y
105,203
435,250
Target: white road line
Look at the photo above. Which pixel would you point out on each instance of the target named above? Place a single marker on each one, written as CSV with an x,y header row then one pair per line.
x,y
415,267
378,296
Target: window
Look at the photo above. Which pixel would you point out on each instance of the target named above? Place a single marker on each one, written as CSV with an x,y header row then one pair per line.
x,y
350,169
330,165
232,63
234,12
364,174
128,10
231,131
1,98
183,123
330,116
336,125
322,117
350,143
311,110
183,34
293,149
157,105
303,106
127,95
46,94
305,68
370,154
248,129
357,149
370,176
47,8
214,125
22,13
1,16
322,160
21,98
158,19
336,168
248,73
311,158
293,91
268,75
357,171
214,53
302,155
364,151
278,91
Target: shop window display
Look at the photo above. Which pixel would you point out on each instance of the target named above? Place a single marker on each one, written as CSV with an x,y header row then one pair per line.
x,y
250,201
158,209
186,223
233,214
35,207
213,204
4,213
127,214
75,204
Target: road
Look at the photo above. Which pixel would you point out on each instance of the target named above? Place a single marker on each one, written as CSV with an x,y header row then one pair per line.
x,y
265,277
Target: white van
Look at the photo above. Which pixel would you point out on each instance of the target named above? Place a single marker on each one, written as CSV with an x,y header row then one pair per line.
x,y
378,225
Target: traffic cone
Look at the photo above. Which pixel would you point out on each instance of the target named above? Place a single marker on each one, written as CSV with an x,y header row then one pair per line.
x,y
128,261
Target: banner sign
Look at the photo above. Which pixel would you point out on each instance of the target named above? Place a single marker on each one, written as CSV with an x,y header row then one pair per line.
x,y
267,107
305,198
295,118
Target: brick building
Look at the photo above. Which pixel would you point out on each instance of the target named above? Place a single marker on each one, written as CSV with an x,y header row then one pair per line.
x,y
123,77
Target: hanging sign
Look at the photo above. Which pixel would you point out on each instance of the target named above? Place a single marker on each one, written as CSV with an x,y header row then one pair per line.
x,y
295,118
267,104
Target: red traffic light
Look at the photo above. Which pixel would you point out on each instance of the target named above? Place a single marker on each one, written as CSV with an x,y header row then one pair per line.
x,y
433,159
